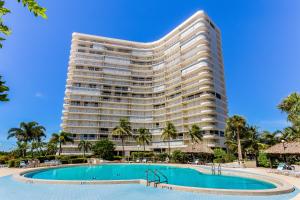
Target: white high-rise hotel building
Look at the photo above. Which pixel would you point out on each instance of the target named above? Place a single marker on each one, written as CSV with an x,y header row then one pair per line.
x,y
178,78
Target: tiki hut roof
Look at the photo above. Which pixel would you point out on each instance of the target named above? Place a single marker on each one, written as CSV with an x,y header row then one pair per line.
x,y
198,148
285,148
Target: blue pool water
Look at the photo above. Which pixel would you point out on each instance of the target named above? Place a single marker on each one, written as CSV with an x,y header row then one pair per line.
x,y
175,175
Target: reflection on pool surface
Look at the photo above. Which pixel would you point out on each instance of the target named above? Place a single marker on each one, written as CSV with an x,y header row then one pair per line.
x,y
175,175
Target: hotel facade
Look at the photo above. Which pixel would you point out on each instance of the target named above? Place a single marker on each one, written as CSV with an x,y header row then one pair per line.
x,y
178,78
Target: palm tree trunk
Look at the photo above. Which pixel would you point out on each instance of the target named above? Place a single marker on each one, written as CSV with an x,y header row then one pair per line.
x,y
59,148
144,147
23,153
193,150
25,150
169,148
240,156
31,151
123,146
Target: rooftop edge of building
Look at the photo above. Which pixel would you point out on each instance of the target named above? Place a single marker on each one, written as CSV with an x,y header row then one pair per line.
x,y
198,14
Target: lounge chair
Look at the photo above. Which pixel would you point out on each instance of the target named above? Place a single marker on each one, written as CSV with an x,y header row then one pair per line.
x,y
167,160
281,166
294,173
23,164
194,162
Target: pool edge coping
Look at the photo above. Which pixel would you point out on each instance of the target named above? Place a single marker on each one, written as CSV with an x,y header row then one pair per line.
x,y
282,187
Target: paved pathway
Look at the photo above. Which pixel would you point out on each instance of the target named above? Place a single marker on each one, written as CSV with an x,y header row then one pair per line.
x,y
14,190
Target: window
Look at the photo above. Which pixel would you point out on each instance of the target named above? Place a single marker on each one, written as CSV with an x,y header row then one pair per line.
x,y
213,26
222,133
103,130
75,103
193,67
79,67
77,84
218,95
92,85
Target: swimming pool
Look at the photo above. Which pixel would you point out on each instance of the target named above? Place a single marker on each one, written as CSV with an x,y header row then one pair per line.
x,y
176,176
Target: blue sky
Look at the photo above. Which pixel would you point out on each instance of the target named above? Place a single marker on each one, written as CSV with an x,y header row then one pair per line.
x,y
261,45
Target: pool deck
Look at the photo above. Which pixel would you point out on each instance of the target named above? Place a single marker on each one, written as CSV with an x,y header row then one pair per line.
x,y
162,192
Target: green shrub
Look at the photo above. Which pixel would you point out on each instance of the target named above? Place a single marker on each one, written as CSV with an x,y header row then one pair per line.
x,y
263,160
4,159
178,157
11,163
48,157
78,160
219,155
161,156
65,157
105,149
14,163
64,162
229,157
135,155
118,157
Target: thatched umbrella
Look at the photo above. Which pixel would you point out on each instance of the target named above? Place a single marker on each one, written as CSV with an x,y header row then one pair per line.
x,y
283,149
198,148
290,148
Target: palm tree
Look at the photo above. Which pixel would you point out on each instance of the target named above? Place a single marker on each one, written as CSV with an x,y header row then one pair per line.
x,y
85,146
235,126
269,138
27,132
291,133
169,132
3,89
61,138
123,131
291,106
195,135
144,137
22,148
231,145
250,141
51,148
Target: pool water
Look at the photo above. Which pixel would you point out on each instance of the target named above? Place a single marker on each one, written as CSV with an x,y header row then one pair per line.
x,y
176,176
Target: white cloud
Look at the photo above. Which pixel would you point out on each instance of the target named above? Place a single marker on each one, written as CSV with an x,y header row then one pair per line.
x,y
273,125
38,95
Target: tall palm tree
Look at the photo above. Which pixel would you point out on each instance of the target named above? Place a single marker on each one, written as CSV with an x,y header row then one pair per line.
x,y
169,132
291,106
27,132
61,138
3,89
22,148
51,148
250,142
123,131
195,134
85,146
144,137
235,126
231,145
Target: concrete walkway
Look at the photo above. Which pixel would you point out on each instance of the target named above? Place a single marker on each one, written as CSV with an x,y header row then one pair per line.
x,y
263,171
11,189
